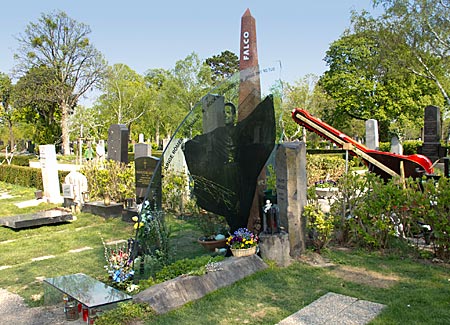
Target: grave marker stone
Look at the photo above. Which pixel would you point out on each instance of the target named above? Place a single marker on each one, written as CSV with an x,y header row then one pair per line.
x,y
290,163
372,141
118,143
396,146
141,138
142,150
100,150
49,168
144,169
432,135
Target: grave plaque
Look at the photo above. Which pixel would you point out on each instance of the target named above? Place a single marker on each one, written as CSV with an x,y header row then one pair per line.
x,y
118,143
144,169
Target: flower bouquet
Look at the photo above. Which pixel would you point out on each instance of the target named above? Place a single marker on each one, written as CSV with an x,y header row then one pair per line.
x,y
243,242
119,262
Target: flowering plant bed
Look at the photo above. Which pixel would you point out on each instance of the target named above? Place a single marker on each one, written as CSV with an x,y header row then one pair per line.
x,y
242,239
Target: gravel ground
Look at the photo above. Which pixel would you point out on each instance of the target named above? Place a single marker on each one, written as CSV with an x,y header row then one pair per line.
x,y
13,310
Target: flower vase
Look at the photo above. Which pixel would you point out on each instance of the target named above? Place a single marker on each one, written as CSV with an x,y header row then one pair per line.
x,y
243,252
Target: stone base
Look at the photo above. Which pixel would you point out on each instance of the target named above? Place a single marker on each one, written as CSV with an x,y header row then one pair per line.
x,y
36,219
100,209
129,213
276,248
174,293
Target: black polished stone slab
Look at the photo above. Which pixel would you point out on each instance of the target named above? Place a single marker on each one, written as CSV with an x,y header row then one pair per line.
x,y
36,219
100,209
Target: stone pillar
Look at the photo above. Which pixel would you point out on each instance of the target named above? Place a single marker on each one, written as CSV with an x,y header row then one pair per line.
x,y
291,193
49,168
372,141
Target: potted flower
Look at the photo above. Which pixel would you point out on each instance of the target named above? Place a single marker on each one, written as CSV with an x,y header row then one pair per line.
x,y
243,242
213,228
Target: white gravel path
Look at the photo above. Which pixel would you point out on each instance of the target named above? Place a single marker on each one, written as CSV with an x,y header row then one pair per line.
x,y
13,310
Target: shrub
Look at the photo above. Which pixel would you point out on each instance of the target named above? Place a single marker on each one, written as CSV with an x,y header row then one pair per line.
x,y
320,226
320,167
110,177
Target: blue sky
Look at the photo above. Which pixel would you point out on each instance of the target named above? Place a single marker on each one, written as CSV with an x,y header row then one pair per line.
x,y
147,34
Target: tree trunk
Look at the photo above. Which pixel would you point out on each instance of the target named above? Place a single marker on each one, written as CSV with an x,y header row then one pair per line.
x,y
65,128
11,134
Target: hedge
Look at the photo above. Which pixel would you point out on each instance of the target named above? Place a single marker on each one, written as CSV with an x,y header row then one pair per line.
x,y
19,160
25,176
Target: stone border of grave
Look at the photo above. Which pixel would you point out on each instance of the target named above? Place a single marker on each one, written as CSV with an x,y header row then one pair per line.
x,y
175,293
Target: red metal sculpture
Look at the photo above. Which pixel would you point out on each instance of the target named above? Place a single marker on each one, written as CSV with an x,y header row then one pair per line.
x,y
385,164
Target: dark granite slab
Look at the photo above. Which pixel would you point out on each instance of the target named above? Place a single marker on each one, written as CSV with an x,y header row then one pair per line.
x,y
36,219
100,209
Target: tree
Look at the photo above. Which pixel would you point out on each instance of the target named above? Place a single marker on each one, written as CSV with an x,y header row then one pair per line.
x,y
422,29
125,97
223,65
6,114
36,102
60,43
365,82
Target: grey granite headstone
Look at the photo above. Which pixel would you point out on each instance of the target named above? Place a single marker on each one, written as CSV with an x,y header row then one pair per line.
x,y
144,169
142,150
118,143
291,193
372,141
213,107
49,168
396,146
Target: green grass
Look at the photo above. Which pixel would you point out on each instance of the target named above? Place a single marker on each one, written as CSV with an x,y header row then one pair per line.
x,y
421,294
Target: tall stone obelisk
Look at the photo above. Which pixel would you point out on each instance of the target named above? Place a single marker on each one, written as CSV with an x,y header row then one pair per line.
x,y
249,98
250,84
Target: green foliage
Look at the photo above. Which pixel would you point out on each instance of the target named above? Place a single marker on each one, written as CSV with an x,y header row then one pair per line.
x,y
186,266
110,177
18,160
125,313
410,147
320,226
321,167
19,175
372,212
211,224
174,191
223,65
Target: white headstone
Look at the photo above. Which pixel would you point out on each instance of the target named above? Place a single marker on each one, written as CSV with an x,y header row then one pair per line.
x,y
100,149
77,186
372,141
50,179
141,138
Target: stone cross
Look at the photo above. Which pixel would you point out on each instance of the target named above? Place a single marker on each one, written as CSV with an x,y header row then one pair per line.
x,y
49,168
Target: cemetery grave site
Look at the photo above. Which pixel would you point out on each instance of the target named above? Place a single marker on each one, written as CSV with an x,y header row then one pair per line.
x,y
229,222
